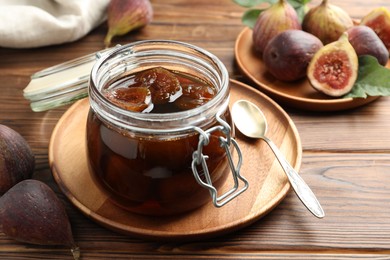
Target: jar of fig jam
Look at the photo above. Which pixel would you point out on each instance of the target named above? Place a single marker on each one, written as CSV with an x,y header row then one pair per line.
x,y
159,131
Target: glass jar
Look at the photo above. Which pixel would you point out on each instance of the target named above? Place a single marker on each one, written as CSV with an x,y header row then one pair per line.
x,y
161,163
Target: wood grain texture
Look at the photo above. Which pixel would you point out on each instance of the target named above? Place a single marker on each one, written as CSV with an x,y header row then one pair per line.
x,y
346,156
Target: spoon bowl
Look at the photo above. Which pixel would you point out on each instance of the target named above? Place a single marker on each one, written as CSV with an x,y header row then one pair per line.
x,y
251,122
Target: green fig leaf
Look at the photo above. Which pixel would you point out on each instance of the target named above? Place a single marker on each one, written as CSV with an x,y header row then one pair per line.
x,y
249,18
250,3
298,3
301,11
373,79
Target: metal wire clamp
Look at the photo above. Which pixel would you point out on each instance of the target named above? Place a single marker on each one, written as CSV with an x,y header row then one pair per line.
x,y
199,160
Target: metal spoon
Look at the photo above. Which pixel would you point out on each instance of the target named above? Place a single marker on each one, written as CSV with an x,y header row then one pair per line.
x,y
251,122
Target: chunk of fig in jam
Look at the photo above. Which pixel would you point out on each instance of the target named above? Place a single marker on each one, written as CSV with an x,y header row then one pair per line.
x,y
136,99
194,95
159,90
163,84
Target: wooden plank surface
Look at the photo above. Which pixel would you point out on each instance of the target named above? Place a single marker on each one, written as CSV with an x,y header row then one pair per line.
x,y
346,156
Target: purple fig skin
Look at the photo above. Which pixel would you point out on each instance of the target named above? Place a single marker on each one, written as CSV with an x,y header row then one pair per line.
x,y
327,22
279,17
17,160
288,54
125,16
31,212
366,42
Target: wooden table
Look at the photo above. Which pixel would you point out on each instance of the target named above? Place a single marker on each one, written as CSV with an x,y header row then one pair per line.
x,y
346,156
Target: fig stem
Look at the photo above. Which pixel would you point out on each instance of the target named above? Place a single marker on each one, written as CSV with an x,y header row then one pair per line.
x,y
107,39
76,252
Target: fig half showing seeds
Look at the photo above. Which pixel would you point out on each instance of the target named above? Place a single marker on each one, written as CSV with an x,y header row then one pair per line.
x,y
31,212
279,17
333,69
288,54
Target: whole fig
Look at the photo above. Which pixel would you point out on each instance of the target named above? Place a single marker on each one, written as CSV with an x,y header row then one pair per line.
x,y
333,69
17,161
327,22
288,54
379,20
279,17
125,16
366,42
31,212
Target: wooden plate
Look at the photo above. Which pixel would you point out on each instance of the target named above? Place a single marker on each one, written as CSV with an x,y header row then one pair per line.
x,y
268,183
298,94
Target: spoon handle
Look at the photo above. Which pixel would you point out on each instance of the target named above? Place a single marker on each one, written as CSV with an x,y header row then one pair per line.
x,y
300,187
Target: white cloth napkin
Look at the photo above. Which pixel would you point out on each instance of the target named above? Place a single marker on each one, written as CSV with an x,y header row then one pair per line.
x,y
35,23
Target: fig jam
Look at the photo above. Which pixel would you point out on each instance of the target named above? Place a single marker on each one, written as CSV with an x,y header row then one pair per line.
x,y
159,90
148,172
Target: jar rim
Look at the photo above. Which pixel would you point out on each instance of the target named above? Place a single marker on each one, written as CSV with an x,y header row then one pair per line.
x,y
162,117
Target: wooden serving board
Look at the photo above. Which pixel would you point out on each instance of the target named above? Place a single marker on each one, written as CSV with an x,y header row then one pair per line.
x,y
268,183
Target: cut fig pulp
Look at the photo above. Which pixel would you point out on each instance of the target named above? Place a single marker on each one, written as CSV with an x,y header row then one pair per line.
x,y
333,69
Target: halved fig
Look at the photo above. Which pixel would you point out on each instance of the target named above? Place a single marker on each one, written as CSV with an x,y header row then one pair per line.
x,y
333,69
